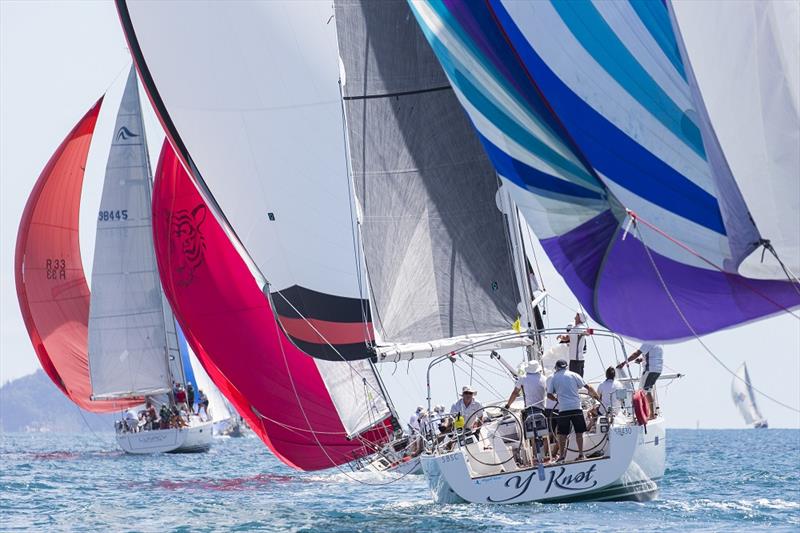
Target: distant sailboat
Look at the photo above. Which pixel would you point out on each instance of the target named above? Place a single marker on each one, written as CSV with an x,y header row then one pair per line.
x,y
134,350
745,400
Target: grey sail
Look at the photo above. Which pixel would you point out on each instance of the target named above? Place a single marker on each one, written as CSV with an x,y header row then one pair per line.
x,y
435,244
128,352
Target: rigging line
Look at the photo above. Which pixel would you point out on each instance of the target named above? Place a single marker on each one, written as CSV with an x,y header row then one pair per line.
x,y
80,412
694,333
786,270
535,257
308,422
321,336
355,227
740,279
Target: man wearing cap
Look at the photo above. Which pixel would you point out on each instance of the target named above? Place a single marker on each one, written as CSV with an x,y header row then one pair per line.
x,y
467,407
564,388
576,339
653,356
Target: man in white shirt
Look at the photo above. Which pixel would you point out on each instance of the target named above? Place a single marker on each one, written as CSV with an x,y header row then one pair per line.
x,y
576,339
653,357
467,407
533,387
608,392
564,388
534,390
413,422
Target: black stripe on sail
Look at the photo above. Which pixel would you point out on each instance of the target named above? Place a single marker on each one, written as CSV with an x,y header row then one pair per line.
x,y
399,93
320,306
335,352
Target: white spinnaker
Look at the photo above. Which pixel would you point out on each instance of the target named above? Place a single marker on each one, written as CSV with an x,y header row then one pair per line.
x,y
252,88
217,406
745,55
127,336
742,395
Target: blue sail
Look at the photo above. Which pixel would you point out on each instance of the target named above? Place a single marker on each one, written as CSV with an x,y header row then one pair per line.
x,y
591,117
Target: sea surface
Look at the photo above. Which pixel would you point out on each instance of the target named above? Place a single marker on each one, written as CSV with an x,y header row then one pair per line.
x,y
715,480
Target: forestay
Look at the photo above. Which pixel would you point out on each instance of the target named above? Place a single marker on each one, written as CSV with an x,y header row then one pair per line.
x,y
128,353
585,111
435,242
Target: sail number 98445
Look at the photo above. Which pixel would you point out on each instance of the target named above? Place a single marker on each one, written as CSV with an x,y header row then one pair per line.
x,y
119,214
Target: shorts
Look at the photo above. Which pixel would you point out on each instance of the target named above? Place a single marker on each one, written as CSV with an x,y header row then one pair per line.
x,y
649,379
576,366
570,419
552,418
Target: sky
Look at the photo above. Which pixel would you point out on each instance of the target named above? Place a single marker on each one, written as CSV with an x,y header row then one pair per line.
x,y
57,58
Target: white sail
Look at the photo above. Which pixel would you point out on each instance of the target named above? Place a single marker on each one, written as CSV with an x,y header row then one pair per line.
x,y
745,55
127,336
217,406
743,397
261,122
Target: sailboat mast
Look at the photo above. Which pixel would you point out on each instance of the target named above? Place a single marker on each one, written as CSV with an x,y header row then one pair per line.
x,y
520,265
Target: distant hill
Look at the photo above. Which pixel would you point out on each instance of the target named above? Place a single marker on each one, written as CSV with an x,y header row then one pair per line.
x,y
34,403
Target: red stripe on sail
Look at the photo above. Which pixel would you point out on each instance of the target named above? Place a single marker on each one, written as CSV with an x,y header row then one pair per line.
x,y
324,331
231,327
51,285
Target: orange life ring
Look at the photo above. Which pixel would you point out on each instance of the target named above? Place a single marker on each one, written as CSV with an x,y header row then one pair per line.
x,y
641,407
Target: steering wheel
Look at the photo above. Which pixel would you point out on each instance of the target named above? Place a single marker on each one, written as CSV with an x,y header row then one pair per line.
x,y
496,412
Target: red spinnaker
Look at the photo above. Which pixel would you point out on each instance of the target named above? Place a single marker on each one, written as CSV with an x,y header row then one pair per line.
x,y
233,330
51,285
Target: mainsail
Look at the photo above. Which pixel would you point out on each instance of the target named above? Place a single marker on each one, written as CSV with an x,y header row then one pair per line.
x,y
435,241
51,285
743,397
128,350
234,331
586,113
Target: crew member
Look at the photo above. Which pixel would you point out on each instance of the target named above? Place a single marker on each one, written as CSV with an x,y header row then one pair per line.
x,y
576,339
653,357
413,422
533,386
466,409
564,388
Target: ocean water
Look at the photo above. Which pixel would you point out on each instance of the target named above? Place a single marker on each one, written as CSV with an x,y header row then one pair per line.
x,y
715,480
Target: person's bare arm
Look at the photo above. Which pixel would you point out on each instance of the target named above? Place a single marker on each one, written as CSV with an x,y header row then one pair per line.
x,y
592,392
513,397
634,355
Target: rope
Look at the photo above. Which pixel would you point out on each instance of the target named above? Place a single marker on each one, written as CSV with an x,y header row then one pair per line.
x,y
637,218
694,333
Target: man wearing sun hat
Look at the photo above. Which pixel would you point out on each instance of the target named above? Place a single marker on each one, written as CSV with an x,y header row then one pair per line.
x,y
534,389
467,407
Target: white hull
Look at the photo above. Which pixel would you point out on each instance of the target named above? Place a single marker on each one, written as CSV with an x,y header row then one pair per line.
x,y
411,467
192,439
631,471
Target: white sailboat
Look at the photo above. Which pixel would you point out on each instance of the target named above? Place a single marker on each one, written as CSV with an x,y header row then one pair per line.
x,y
133,343
745,400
